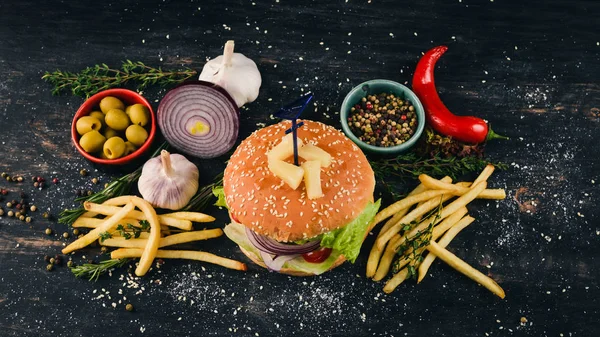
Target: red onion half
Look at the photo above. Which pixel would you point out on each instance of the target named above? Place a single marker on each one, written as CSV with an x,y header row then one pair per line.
x,y
199,118
275,263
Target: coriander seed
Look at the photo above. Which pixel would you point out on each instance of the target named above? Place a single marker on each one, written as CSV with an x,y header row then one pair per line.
x,y
20,179
94,181
1,212
10,213
22,217
70,264
28,219
83,172
33,208
9,204
65,235
76,232
50,267
48,231
52,260
129,307
47,258
4,174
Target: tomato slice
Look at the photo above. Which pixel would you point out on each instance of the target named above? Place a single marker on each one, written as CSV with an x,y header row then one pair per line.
x,y
318,255
234,218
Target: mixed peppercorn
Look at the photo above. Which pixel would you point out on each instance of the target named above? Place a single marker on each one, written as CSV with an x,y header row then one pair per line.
x,y
383,120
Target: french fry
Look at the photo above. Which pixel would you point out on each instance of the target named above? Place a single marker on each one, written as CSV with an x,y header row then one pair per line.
x,y
165,241
438,230
93,234
108,209
148,213
409,201
386,260
485,174
149,252
82,222
460,202
419,211
464,268
376,251
444,242
395,281
191,216
182,254
460,189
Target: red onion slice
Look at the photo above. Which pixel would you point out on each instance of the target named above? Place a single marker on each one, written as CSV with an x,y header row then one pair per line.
x,y
277,262
268,245
199,118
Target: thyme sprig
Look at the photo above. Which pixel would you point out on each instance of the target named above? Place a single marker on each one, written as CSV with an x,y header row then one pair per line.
x,y
101,77
413,248
92,271
128,231
118,187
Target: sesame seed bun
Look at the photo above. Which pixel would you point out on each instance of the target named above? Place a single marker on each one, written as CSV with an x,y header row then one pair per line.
x,y
264,203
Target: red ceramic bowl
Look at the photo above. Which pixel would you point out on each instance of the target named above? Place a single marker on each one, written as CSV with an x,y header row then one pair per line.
x,y
93,103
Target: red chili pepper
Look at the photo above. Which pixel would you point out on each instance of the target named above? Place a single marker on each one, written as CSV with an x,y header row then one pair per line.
x,y
464,128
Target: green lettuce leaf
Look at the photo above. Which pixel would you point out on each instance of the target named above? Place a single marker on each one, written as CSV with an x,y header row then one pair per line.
x,y
220,194
348,240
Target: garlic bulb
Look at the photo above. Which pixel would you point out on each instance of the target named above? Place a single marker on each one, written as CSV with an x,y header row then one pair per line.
x,y
235,73
168,181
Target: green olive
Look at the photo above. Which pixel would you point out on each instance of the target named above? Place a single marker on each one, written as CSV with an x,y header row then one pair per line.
x,y
129,148
114,148
108,103
98,115
109,133
86,124
139,114
136,134
117,119
92,141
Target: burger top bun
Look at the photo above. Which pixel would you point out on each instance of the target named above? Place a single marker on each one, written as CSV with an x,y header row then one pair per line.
x,y
264,203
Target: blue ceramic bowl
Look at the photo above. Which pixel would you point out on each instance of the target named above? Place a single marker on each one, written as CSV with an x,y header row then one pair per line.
x,y
374,87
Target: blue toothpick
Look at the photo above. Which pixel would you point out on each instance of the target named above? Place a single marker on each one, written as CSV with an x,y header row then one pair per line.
x,y
292,112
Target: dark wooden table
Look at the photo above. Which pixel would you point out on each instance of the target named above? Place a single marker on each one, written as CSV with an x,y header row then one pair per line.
x,y
530,67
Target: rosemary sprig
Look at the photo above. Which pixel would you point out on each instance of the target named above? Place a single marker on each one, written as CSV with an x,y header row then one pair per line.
x,y
100,77
204,195
411,165
92,271
118,187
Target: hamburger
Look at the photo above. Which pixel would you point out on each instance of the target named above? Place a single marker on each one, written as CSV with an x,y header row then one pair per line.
x,y
300,219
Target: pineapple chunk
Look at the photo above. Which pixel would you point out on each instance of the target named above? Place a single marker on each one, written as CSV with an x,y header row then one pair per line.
x,y
312,179
312,152
284,149
289,173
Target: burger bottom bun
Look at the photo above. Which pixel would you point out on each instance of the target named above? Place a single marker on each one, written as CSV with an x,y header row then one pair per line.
x,y
341,259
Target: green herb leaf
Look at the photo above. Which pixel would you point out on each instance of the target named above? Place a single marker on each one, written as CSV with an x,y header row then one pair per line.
x,y
104,235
